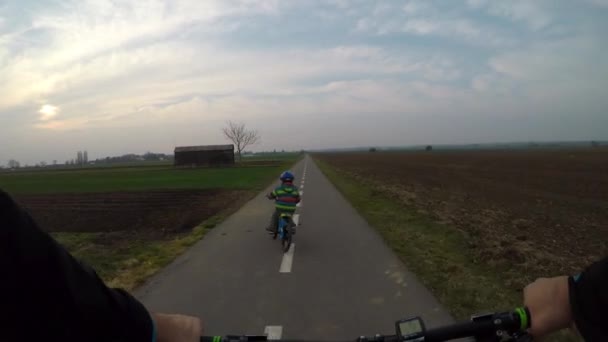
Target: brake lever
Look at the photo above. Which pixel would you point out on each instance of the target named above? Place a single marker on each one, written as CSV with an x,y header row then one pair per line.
x,y
524,337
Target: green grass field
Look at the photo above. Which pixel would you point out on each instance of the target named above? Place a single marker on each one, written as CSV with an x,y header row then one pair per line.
x,y
137,179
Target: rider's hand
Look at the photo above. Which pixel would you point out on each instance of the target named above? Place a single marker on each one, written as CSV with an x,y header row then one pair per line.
x,y
177,328
549,305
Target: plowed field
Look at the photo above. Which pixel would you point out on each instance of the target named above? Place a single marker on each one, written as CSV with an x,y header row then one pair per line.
x,y
541,212
154,213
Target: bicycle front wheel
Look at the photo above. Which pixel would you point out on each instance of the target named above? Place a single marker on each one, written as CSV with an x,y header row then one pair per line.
x,y
287,239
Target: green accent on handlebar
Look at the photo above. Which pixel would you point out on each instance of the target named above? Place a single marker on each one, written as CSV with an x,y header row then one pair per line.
x,y
523,318
217,338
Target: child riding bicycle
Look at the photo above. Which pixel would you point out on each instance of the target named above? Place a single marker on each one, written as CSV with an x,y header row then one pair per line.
x,y
286,198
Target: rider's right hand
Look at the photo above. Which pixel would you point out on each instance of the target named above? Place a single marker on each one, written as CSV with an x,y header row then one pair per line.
x,y
549,305
177,328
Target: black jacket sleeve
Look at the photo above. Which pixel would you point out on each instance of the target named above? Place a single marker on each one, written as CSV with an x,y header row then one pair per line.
x,y
589,301
47,295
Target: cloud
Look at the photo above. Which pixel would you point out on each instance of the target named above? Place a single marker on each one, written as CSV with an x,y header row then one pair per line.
x,y
126,81
477,3
463,28
560,78
600,3
568,60
425,18
84,31
530,12
415,7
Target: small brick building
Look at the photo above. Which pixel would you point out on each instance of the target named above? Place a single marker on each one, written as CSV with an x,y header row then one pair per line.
x,y
202,156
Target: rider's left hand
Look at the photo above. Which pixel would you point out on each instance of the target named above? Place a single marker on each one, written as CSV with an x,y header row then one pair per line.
x,y
178,328
549,305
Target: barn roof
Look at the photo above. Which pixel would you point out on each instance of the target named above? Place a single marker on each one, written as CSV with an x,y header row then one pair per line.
x,y
204,148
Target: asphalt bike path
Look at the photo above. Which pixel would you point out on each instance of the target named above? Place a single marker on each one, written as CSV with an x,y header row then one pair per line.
x,y
338,281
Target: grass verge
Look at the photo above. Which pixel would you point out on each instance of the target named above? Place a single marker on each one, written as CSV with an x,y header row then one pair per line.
x,y
122,259
436,253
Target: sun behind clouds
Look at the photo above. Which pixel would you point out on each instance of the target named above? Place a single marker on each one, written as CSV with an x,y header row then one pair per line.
x,y
47,112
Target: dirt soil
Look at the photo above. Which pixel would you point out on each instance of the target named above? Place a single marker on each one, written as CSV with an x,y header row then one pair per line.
x,y
536,212
155,213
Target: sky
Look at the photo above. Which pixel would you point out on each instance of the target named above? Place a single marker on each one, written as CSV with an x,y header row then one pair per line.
x,y
123,76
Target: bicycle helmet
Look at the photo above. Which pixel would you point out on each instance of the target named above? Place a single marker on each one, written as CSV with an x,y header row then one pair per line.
x,y
287,176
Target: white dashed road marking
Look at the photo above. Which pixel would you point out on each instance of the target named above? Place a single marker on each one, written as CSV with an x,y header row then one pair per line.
x,y
287,261
274,332
296,219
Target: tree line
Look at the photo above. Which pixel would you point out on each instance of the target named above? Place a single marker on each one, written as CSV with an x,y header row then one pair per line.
x,y
132,157
82,160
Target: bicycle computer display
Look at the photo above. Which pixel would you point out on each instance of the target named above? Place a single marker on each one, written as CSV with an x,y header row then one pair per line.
x,y
410,329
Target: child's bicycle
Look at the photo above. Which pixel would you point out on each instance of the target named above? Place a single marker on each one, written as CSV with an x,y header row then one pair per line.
x,y
286,230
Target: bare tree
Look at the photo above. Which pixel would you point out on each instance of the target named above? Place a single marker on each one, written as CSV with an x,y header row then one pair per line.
x,y
13,164
240,136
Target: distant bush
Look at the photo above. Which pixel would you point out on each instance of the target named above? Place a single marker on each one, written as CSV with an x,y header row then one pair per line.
x,y
373,149
428,148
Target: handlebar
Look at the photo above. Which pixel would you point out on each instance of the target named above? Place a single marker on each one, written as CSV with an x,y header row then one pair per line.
x,y
487,327
501,326
234,338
